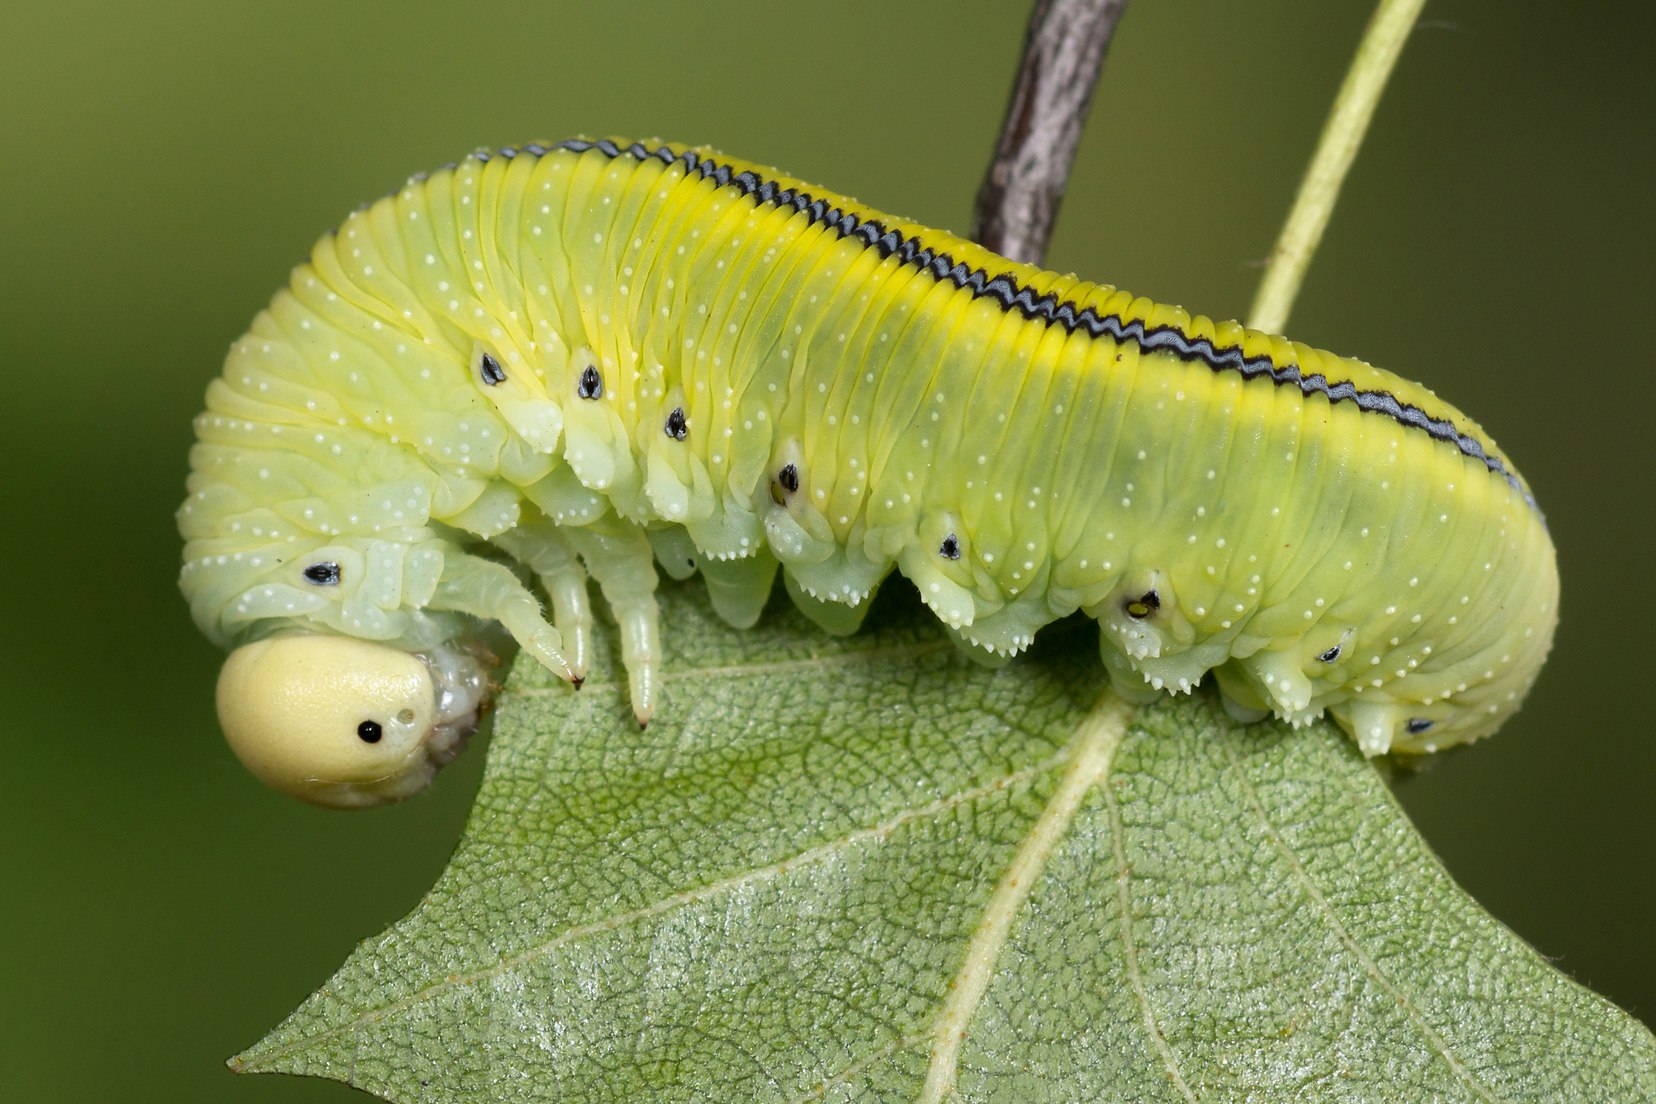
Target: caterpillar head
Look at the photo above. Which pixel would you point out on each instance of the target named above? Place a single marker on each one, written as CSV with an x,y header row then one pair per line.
x,y
348,723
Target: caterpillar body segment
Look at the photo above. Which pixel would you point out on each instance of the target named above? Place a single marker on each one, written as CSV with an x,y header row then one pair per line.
x,y
604,359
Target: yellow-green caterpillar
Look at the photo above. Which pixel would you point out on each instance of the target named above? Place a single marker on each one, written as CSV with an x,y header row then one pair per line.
x,y
598,358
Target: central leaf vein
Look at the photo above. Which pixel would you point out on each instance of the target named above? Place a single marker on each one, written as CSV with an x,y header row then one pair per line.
x,y
1090,753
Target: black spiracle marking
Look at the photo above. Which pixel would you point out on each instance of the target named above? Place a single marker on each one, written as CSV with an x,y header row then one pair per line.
x,y
1419,725
323,573
1329,656
591,385
1143,606
950,548
676,428
785,484
491,371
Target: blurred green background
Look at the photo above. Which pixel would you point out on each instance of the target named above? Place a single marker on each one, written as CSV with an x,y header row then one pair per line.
x,y
168,162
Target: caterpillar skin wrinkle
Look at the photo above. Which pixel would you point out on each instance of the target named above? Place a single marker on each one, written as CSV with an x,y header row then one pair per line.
x,y
602,359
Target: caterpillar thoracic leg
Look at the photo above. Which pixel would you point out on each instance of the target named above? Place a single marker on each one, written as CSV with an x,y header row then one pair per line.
x,y
540,548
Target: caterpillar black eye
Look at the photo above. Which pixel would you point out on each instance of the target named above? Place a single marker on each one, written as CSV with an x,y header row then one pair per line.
x,y
1329,656
369,732
950,548
491,371
677,428
591,385
1143,606
323,573
1419,725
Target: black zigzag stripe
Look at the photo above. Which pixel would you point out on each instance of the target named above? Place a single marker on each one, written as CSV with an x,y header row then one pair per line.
x,y
1046,309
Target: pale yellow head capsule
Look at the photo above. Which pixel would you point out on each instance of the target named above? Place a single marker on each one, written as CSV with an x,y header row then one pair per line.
x,y
338,721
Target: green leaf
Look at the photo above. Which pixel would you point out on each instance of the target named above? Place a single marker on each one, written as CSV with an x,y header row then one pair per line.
x,y
866,869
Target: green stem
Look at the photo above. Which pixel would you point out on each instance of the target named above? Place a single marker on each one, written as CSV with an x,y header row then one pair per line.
x,y
1341,137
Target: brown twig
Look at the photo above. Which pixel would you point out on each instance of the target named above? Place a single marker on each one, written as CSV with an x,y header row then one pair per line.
x,y
1062,55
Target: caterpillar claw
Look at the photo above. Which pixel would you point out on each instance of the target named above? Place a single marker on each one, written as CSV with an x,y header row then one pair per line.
x,y
1180,672
1126,680
1373,724
1278,678
642,690
543,642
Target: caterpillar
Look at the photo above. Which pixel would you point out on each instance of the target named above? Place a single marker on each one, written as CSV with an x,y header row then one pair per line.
x,y
599,359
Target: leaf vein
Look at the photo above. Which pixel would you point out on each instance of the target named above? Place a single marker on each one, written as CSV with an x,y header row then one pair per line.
x,y
1089,755
1369,964
666,904
1130,953
850,1070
